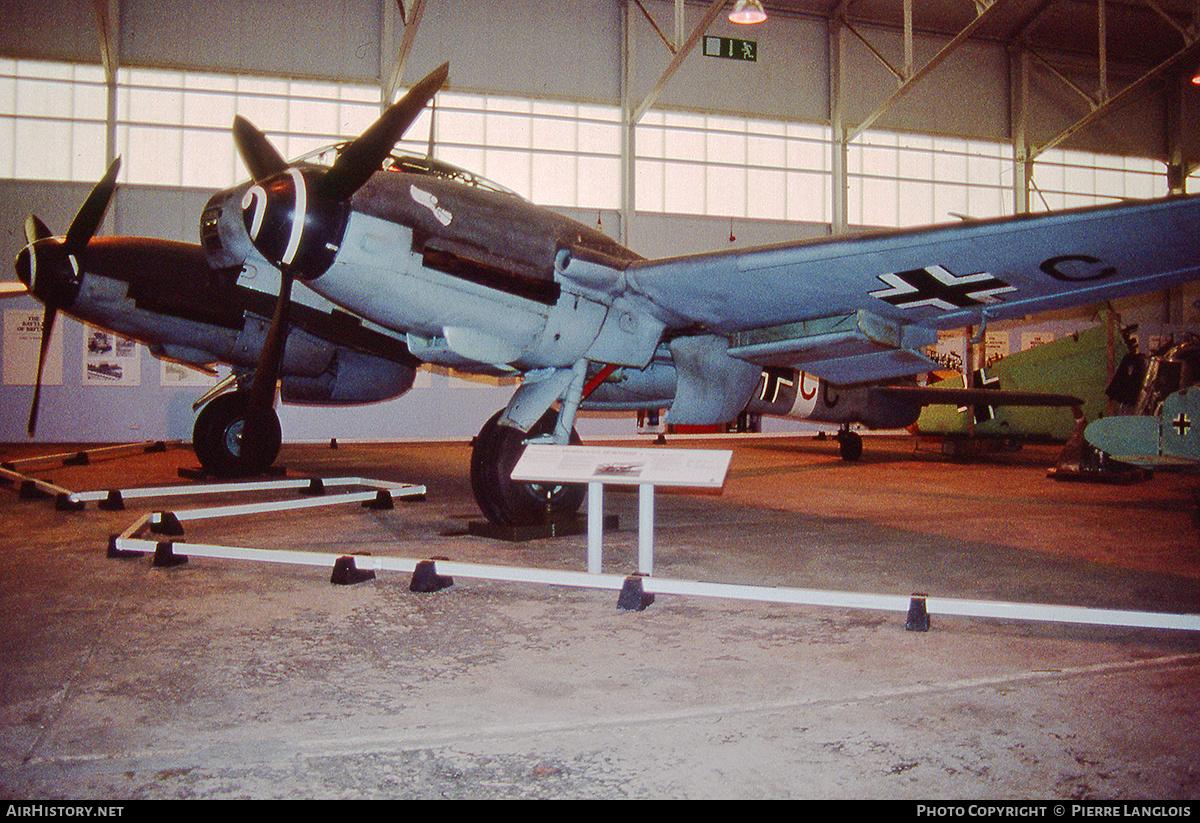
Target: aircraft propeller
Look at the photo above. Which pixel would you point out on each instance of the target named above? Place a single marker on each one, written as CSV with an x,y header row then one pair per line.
x,y
50,267
296,216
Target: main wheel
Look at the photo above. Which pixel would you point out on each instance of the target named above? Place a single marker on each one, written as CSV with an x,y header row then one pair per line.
x,y
219,442
512,502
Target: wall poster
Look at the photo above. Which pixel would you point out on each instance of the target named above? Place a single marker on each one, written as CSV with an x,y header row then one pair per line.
x,y
22,342
110,360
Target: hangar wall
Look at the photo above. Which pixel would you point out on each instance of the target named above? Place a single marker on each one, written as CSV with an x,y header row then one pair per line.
x,y
569,50
573,50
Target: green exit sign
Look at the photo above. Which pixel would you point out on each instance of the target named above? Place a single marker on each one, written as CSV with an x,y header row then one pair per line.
x,y
731,48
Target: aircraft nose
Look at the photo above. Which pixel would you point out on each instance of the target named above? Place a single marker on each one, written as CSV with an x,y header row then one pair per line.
x,y
291,225
51,274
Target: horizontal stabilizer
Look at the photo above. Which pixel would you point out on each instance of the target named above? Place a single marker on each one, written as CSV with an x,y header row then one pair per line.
x,y
931,396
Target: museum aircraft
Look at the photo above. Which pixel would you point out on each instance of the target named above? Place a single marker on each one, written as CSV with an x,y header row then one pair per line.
x,y
477,279
1161,403
1165,440
164,294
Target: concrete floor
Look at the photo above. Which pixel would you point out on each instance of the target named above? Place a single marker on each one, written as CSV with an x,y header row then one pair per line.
x,y
229,679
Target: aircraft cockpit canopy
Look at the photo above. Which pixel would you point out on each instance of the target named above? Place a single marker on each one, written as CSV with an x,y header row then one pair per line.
x,y
409,163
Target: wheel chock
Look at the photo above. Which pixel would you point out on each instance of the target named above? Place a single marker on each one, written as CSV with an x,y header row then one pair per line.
x,y
78,459
113,503
120,554
633,597
315,487
382,501
165,557
918,616
64,503
426,579
167,523
345,573
156,447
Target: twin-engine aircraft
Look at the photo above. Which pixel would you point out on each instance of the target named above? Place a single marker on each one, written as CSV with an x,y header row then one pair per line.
x,y
432,264
165,295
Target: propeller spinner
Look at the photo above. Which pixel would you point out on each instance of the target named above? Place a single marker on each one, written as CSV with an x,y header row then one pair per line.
x,y
51,268
296,217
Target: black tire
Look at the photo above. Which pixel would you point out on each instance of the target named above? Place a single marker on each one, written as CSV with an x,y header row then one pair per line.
x,y
850,445
514,503
218,442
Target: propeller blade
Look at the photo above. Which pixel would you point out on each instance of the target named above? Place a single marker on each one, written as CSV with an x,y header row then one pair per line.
x,y
47,330
261,394
256,150
365,155
91,213
35,229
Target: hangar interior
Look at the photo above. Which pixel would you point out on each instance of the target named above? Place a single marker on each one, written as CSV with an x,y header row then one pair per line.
x,y
851,115
125,678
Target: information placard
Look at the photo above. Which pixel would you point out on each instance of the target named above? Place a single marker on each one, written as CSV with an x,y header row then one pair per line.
x,y
702,468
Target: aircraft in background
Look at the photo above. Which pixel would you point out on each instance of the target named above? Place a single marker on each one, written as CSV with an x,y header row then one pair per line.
x,y
1082,363
164,295
477,279
896,405
1166,440
1158,393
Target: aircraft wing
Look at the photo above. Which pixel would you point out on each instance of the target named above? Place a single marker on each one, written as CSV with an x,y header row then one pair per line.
x,y
931,395
13,289
862,307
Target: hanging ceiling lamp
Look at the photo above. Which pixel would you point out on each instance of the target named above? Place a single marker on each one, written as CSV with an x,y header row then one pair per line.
x,y
747,11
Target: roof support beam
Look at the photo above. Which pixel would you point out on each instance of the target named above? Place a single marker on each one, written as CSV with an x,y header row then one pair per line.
x,y
108,25
986,9
682,52
1101,108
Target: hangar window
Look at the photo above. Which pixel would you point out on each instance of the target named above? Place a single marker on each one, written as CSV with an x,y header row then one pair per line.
x,y
172,129
52,118
732,166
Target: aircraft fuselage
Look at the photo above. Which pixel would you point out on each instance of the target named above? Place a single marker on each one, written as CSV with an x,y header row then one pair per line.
x,y
468,273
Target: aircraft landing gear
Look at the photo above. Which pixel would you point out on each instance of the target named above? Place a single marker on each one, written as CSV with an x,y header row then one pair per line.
x,y
217,438
850,444
510,502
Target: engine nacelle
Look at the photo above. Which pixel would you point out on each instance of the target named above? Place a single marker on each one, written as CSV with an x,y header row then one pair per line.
x,y
352,377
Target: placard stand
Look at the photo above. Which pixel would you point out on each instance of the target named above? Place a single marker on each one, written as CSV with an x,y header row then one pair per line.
x,y
645,468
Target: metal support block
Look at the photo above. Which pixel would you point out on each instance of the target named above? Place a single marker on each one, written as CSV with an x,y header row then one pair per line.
x,y
382,502
426,579
918,616
633,597
345,573
166,523
165,557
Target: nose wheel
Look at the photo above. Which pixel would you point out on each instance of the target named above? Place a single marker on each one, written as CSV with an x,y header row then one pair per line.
x,y
220,440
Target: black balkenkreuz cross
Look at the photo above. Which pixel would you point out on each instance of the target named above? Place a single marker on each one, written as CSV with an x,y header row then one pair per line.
x,y
981,380
942,289
1181,424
